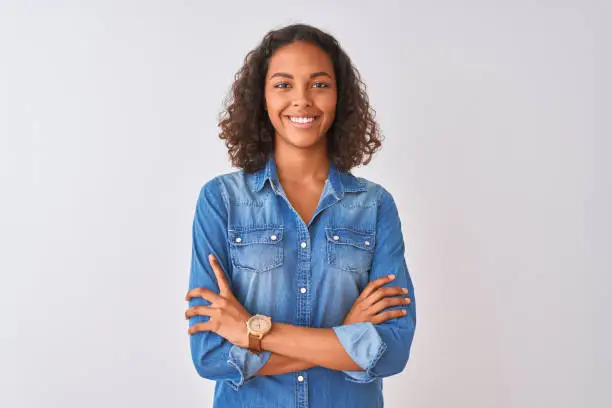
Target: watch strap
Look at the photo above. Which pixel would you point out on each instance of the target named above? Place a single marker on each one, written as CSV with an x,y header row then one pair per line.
x,y
255,344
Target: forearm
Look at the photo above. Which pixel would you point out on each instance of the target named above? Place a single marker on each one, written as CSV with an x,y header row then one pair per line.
x,y
319,347
279,364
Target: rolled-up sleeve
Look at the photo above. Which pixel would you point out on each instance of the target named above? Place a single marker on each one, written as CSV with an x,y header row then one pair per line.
x,y
383,350
214,357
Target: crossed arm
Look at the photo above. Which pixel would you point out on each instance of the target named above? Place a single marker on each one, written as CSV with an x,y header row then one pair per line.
x,y
279,364
293,348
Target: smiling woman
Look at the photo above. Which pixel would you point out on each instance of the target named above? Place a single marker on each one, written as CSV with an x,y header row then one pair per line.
x,y
289,303
286,93
301,72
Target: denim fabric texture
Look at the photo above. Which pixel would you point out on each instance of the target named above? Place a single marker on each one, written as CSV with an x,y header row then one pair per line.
x,y
304,274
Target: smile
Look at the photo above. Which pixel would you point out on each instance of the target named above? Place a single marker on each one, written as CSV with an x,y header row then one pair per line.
x,y
302,121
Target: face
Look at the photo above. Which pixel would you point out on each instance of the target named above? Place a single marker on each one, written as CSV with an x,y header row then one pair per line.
x,y
301,94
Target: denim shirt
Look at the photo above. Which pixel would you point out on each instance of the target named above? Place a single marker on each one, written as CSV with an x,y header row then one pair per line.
x,y
304,274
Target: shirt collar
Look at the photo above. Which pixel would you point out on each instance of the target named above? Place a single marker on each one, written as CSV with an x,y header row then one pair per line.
x,y
340,182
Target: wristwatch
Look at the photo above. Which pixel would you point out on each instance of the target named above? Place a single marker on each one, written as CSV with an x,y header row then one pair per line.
x,y
257,327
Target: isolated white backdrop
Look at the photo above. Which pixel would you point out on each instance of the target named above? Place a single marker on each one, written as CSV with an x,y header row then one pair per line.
x,y
497,124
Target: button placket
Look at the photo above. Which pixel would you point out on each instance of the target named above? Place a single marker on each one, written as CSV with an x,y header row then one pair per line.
x,y
302,390
303,245
304,308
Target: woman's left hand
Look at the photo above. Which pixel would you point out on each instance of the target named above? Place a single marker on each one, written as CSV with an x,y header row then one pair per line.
x,y
227,316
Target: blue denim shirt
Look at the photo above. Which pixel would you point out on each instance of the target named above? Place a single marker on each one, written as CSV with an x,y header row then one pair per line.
x,y
301,274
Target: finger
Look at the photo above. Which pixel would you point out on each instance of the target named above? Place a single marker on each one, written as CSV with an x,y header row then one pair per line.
x,y
384,292
205,293
375,284
391,314
224,287
200,327
388,302
195,292
199,311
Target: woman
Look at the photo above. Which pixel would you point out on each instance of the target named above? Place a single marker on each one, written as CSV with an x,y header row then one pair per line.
x,y
292,255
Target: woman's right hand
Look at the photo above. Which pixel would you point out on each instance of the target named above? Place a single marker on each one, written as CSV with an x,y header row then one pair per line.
x,y
374,299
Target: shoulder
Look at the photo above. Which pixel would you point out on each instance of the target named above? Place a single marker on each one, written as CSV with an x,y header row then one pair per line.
x,y
370,187
224,180
229,186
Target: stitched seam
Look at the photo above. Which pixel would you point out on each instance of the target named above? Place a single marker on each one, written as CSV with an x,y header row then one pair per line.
x,y
368,370
231,382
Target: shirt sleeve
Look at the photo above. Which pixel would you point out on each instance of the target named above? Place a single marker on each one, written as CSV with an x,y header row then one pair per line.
x,y
383,349
214,357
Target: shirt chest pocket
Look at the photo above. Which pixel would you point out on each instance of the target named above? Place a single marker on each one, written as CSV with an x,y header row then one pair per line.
x,y
349,249
257,249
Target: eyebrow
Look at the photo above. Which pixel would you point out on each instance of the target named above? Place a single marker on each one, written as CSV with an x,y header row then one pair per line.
x,y
313,75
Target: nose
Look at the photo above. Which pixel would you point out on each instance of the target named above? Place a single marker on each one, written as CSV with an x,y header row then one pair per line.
x,y
301,98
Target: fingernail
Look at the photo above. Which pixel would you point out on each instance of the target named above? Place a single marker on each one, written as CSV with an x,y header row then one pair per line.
x,y
404,290
391,276
403,312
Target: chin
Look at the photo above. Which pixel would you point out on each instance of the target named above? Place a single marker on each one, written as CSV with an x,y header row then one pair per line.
x,y
302,141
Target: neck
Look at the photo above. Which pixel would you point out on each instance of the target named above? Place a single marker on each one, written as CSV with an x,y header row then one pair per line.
x,y
301,165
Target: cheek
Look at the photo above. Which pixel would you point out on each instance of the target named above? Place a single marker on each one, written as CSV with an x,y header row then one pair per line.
x,y
274,111
327,101
274,106
328,105
272,96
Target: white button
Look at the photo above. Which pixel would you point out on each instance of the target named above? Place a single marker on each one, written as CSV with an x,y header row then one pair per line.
x,y
367,243
303,290
273,237
238,239
303,245
336,237
300,378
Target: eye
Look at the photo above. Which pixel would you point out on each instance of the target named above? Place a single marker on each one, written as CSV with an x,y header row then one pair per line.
x,y
320,85
281,85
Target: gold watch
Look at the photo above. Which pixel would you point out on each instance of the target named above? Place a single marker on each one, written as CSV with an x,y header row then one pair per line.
x,y
257,326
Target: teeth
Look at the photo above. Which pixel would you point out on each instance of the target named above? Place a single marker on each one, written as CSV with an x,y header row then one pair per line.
x,y
301,120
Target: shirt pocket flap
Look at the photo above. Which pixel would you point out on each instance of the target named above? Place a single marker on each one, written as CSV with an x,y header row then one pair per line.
x,y
257,235
347,236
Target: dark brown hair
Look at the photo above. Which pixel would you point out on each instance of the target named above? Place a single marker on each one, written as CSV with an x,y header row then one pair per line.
x,y
244,124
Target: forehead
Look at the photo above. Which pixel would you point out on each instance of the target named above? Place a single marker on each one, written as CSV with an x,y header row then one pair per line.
x,y
300,58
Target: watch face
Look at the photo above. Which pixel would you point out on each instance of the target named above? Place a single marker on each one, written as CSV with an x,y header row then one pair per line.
x,y
259,324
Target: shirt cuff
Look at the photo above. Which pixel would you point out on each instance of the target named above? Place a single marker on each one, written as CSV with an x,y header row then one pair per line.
x,y
247,364
364,345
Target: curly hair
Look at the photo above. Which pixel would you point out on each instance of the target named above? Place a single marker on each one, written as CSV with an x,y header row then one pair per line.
x,y
244,124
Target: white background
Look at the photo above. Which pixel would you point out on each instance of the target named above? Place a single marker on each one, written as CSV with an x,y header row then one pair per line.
x,y
497,124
